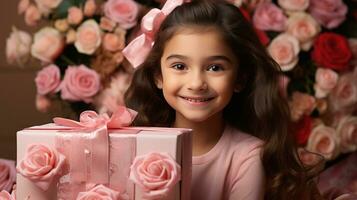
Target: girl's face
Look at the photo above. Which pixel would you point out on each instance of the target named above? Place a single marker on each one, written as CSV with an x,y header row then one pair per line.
x,y
199,74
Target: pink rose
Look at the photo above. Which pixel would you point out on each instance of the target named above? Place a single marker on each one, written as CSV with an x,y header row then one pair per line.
x,y
80,84
75,15
284,49
32,15
124,12
48,44
99,192
22,6
48,80
45,6
7,174
268,16
294,5
113,96
300,105
155,174
18,47
107,24
304,27
43,103
4,195
322,140
326,80
329,13
88,37
113,42
40,165
89,8
347,133
344,96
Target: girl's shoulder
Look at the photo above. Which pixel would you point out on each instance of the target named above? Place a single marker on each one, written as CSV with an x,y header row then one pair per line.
x,y
243,142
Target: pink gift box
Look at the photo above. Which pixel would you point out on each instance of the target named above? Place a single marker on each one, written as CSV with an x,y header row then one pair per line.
x,y
124,145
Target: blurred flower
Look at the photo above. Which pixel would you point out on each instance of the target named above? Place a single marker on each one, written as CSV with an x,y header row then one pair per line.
x,y
89,37
294,5
329,13
18,47
268,16
124,12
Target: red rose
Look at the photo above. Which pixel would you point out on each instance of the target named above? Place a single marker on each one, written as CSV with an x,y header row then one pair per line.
x,y
331,50
303,130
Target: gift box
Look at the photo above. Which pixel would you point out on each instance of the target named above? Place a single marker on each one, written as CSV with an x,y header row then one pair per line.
x,y
63,162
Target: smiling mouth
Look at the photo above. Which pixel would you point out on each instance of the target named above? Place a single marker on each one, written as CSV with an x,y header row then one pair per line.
x,y
197,100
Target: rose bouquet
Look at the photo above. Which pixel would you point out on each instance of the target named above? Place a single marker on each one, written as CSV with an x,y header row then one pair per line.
x,y
315,44
78,44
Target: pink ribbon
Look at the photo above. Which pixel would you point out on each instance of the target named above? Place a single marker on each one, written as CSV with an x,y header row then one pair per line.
x,y
88,154
138,49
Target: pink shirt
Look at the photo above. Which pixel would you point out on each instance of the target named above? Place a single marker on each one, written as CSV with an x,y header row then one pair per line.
x,y
231,170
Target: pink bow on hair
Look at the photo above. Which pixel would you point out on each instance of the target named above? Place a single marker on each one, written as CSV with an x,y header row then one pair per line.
x,y
138,49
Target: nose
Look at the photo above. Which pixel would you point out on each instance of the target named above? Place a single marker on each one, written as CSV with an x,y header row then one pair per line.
x,y
197,81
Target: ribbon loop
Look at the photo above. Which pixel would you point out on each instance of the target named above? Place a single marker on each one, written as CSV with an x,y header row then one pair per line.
x,y
138,49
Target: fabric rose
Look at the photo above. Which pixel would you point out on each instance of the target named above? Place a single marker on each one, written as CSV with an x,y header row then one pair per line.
x,y
48,80
326,80
32,15
41,164
75,15
80,84
268,16
347,133
113,42
344,96
48,44
329,13
89,37
294,5
99,192
284,49
5,195
18,47
304,27
323,141
155,173
124,12
7,174
332,51
301,104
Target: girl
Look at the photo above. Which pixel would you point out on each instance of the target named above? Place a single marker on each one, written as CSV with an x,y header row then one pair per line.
x,y
208,71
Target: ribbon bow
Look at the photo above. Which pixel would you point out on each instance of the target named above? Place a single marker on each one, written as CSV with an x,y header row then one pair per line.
x,y
88,155
138,49
91,120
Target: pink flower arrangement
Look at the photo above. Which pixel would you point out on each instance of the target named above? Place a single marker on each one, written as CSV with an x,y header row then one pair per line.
x,y
155,174
79,48
315,44
41,164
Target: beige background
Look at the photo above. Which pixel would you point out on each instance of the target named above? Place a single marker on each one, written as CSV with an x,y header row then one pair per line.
x,y
17,101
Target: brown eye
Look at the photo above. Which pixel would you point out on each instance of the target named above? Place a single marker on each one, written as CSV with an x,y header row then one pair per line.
x,y
215,68
178,66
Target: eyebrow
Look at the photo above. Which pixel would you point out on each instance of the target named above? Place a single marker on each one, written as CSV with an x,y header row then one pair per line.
x,y
211,58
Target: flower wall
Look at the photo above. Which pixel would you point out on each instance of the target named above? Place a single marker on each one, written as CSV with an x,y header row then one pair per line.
x,y
314,41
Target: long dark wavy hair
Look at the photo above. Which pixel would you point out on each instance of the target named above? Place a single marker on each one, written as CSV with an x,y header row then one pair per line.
x,y
257,109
